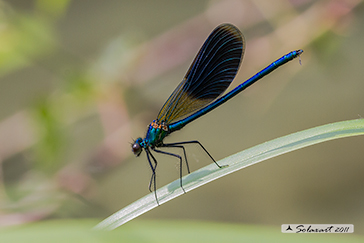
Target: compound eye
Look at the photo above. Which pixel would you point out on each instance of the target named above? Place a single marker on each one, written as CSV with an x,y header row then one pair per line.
x,y
136,147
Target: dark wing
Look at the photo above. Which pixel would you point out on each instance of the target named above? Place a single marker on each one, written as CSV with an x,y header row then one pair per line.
x,y
209,75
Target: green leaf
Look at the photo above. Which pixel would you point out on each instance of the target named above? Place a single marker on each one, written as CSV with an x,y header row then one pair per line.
x,y
78,231
235,162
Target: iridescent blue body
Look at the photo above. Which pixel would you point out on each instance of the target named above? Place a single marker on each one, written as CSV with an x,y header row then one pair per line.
x,y
210,74
155,135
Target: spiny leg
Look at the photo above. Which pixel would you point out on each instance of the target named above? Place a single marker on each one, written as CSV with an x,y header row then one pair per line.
x,y
195,141
172,145
153,170
180,164
153,178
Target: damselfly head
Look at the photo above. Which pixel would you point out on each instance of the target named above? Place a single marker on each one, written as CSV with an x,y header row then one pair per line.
x,y
136,147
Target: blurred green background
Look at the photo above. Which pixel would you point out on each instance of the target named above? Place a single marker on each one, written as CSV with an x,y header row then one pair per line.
x,y
81,79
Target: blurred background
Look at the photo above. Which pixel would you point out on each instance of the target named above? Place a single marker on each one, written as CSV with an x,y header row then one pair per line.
x,y
79,80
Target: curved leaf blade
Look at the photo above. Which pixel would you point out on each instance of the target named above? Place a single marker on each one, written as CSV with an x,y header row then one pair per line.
x,y
235,162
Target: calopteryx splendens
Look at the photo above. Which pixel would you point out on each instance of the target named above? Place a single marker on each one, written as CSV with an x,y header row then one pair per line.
x,y
209,75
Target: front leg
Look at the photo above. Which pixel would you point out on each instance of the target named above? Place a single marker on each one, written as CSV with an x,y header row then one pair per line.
x,y
153,178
